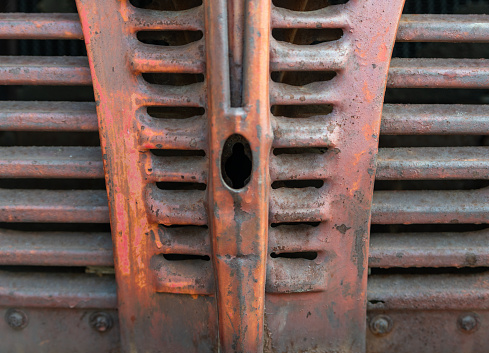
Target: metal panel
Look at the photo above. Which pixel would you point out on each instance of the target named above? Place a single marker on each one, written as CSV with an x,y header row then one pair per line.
x,y
40,26
152,287
72,206
48,116
42,70
51,162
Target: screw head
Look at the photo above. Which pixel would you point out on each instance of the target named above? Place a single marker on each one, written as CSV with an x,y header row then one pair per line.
x,y
468,323
100,321
381,325
16,319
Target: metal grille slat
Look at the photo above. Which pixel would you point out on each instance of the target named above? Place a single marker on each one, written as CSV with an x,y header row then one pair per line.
x,y
40,26
51,162
468,249
73,206
438,73
57,290
433,163
48,116
434,119
444,28
55,248
43,70
429,292
424,207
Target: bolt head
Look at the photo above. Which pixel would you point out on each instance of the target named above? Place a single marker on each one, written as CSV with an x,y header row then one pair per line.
x,y
381,325
468,323
100,321
16,319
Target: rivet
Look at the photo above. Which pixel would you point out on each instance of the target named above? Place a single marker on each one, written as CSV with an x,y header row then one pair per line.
x,y
468,323
100,321
16,319
381,325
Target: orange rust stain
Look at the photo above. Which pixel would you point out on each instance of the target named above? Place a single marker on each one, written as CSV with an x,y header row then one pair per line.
x,y
369,96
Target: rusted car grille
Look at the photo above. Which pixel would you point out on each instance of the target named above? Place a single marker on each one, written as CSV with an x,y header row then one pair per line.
x,y
428,248
53,203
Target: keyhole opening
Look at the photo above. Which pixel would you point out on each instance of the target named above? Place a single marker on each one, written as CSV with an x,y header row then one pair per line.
x,y
236,162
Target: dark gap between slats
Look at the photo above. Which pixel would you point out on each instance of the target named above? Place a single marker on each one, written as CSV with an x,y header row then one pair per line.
x,y
184,257
180,186
299,150
301,78
430,184
53,184
169,38
297,184
436,96
166,5
301,36
433,140
311,224
445,7
427,271
43,269
307,255
183,226
310,5
178,153
47,93
46,47
48,138
58,227
426,228
172,79
175,112
301,111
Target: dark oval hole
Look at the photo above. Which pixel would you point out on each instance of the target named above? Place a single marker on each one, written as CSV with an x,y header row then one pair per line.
x,y
308,255
236,162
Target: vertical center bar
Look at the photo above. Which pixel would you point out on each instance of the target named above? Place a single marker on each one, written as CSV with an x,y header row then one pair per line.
x,y
238,218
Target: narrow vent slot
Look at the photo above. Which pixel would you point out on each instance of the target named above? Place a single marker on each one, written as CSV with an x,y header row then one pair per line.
x,y
175,112
169,38
307,36
186,257
301,78
308,255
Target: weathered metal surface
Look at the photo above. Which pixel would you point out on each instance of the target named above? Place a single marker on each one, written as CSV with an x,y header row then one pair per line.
x,y
429,292
43,70
56,290
429,331
330,258
439,73
238,215
59,330
73,206
55,248
152,316
433,163
426,207
465,249
48,116
40,26
434,119
444,28
51,162
146,261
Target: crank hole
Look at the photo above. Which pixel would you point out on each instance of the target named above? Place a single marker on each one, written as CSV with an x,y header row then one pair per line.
x,y
236,162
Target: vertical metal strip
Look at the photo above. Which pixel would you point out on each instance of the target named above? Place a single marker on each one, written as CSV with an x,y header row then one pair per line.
x,y
239,218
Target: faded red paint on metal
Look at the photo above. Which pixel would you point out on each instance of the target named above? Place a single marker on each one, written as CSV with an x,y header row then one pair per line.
x,y
316,303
